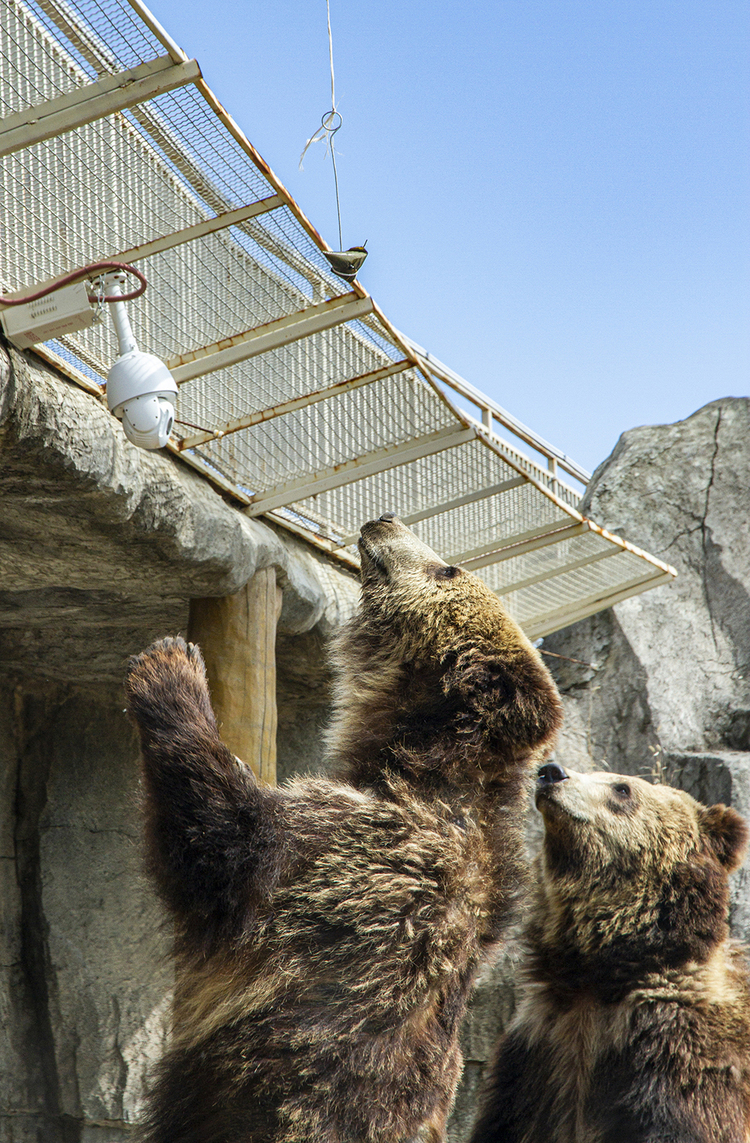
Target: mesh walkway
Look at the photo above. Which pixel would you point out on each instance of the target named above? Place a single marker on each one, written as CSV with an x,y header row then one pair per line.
x,y
297,395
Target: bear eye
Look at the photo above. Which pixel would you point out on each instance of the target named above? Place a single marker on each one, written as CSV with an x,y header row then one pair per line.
x,y
622,803
449,572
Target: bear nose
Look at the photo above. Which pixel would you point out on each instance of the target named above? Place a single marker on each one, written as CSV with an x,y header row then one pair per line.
x,y
387,517
550,773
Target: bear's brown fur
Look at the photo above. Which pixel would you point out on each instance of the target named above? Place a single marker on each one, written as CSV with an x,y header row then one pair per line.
x,y
634,1026
328,932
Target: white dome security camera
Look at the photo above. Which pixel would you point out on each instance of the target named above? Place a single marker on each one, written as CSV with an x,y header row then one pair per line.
x,y
141,393
140,389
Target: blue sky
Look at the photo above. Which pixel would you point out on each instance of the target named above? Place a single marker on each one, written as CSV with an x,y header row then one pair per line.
x,y
554,193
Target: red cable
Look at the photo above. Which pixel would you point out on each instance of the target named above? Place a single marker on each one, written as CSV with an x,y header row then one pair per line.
x,y
75,276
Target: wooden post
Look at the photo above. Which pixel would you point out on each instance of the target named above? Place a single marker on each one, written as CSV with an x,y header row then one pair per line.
x,y
237,635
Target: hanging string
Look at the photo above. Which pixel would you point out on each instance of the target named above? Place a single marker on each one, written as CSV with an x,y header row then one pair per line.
x,y
329,124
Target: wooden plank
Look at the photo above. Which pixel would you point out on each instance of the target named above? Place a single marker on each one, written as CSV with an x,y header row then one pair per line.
x,y
359,467
293,404
237,635
550,621
270,335
93,101
553,571
448,505
198,230
493,551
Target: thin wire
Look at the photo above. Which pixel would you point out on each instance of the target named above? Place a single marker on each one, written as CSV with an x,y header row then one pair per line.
x,y
330,55
327,130
336,184
333,108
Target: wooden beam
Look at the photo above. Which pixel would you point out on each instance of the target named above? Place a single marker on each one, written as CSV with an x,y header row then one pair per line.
x,y
448,505
553,571
461,501
270,335
237,635
508,551
496,545
198,230
293,404
564,616
359,467
93,101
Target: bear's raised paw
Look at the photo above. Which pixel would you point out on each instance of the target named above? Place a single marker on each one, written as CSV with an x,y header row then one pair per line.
x,y
168,682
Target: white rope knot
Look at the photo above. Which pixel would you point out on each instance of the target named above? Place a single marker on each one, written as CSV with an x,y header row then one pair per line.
x,y
328,128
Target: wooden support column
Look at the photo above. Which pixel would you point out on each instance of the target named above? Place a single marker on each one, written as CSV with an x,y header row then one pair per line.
x,y
237,635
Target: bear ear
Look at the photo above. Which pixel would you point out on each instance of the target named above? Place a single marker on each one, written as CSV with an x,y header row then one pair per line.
x,y
726,833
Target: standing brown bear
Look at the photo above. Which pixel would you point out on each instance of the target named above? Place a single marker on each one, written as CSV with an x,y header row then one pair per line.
x,y
635,1022
327,933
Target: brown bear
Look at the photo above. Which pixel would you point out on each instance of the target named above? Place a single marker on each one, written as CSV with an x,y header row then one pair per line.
x,y
327,932
634,1024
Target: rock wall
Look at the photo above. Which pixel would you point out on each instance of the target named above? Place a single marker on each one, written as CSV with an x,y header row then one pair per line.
x,y
83,954
658,686
670,670
102,546
85,981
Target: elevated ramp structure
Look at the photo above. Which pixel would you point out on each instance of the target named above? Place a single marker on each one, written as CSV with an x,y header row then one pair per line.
x,y
298,397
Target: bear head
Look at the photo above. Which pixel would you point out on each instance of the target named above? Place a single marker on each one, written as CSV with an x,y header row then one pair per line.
x,y
433,661
633,878
422,604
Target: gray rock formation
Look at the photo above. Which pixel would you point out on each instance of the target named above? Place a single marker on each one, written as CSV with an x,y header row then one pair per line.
x,y
102,547
660,684
86,986
672,665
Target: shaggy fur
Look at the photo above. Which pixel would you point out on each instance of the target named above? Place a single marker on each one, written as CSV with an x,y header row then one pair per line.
x,y
635,1022
328,932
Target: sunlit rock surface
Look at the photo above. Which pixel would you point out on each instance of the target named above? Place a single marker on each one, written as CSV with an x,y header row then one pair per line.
x,y
660,684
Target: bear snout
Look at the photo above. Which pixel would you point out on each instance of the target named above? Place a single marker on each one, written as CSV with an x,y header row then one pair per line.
x,y
391,547
375,527
549,774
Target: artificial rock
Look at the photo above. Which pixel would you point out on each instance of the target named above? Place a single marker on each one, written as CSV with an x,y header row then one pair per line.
x,y
658,686
102,547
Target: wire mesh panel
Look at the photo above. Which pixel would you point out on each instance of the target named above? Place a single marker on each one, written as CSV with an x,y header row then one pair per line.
x,y
423,487
572,595
320,436
513,571
297,396
321,361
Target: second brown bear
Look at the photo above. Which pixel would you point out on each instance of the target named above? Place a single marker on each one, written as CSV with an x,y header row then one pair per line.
x,y
634,1026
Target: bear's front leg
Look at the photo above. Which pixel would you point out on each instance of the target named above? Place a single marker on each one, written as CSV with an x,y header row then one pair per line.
x,y
209,827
